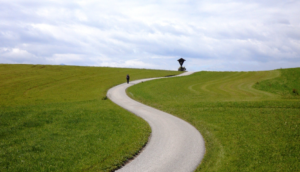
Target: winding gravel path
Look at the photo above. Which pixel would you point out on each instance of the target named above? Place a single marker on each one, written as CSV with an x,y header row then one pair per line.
x,y
174,145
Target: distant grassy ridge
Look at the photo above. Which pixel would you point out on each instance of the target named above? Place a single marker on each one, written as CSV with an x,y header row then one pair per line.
x,y
287,85
57,118
249,120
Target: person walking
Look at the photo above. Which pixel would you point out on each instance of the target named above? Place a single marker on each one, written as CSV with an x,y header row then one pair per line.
x,y
127,77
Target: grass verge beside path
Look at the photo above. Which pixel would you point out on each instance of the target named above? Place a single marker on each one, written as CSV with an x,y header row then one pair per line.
x,y
245,129
57,118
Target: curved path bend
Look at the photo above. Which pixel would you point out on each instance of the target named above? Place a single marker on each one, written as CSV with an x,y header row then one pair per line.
x,y
174,145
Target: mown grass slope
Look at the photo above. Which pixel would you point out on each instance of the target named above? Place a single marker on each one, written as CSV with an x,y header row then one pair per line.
x,y
248,124
57,118
287,85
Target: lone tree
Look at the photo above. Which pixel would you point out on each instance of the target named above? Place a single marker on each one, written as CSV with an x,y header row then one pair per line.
x,y
181,61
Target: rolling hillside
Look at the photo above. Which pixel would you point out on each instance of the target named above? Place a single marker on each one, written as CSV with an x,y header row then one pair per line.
x,y
57,118
249,120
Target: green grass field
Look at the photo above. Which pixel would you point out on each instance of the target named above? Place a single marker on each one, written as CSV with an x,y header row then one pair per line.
x,y
56,118
249,120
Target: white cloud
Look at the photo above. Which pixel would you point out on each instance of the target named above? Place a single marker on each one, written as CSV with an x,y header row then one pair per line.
x,y
66,59
212,34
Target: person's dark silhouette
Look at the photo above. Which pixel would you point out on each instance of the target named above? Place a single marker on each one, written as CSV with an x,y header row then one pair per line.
x,y
127,77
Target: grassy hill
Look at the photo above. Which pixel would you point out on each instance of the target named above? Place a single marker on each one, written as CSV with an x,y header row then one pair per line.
x,y
250,120
57,118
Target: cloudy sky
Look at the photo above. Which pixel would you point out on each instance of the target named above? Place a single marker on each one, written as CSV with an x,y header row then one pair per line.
x,y
227,35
